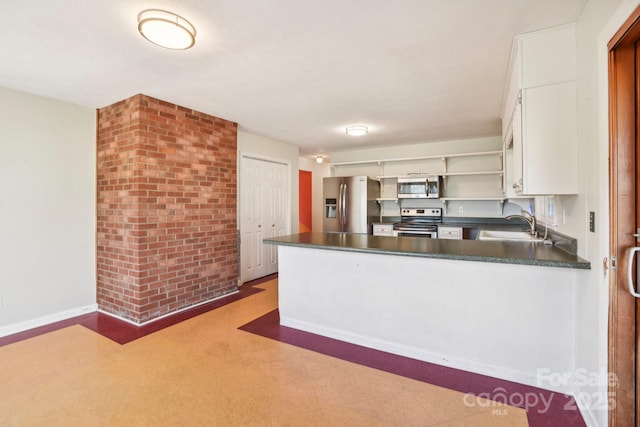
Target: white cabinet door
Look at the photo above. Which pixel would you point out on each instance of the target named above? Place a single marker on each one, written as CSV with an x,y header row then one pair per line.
x,y
539,58
545,141
383,229
517,178
548,56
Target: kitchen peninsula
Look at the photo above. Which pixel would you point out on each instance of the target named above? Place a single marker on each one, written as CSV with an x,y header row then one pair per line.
x,y
503,309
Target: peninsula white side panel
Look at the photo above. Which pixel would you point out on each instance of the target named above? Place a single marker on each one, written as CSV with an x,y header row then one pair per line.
x,y
503,320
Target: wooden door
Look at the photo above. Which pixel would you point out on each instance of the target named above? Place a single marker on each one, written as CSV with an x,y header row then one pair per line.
x,y
624,313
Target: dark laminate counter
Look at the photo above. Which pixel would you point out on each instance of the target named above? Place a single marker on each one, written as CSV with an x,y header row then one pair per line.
x,y
465,250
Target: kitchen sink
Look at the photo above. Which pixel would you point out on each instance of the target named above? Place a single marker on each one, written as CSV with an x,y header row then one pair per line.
x,y
508,236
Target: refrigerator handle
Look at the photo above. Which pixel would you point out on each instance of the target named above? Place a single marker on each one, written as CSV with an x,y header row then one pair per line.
x,y
341,204
344,205
339,207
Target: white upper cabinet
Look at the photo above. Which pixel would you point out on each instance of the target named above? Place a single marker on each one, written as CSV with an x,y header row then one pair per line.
x,y
540,119
548,56
545,136
539,58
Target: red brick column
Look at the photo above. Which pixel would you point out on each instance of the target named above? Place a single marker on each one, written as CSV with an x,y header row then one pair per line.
x,y
166,191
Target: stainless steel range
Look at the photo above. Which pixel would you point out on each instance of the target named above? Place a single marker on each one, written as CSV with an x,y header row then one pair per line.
x,y
418,222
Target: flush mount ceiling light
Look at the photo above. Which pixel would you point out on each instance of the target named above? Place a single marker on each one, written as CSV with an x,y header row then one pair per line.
x,y
319,159
357,130
166,29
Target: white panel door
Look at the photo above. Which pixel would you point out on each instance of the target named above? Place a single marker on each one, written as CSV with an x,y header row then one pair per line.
x,y
275,201
263,208
252,220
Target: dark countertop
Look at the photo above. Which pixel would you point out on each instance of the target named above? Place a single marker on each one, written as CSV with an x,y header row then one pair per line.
x,y
464,250
472,226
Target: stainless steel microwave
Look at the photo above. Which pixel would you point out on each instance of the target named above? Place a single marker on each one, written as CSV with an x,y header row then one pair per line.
x,y
414,187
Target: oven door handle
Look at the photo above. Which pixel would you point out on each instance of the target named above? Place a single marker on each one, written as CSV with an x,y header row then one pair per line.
x,y
431,234
417,230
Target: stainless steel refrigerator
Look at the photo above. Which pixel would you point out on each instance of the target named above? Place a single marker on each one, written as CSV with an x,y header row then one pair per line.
x,y
350,204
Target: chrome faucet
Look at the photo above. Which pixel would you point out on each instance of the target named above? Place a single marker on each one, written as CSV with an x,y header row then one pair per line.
x,y
529,219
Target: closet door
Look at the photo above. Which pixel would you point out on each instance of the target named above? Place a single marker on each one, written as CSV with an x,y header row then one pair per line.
x,y
263,207
275,205
252,220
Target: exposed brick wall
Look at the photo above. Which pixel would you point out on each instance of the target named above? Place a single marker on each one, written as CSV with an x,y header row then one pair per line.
x,y
166,208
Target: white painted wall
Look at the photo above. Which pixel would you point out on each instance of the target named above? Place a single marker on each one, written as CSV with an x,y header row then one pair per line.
x,y
318,171
260,146
598,22
47,210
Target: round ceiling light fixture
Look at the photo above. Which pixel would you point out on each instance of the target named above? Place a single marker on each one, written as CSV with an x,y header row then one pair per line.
x,y
357,130
319,159
166,29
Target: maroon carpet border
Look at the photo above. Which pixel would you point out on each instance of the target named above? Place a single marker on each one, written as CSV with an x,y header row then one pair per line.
x,y
123,332
557,414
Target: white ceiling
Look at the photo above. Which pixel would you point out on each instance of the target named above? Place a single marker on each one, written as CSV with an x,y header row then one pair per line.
x,y
297,71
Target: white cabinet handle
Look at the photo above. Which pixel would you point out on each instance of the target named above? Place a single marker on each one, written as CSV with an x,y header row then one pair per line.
x,y
630,256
